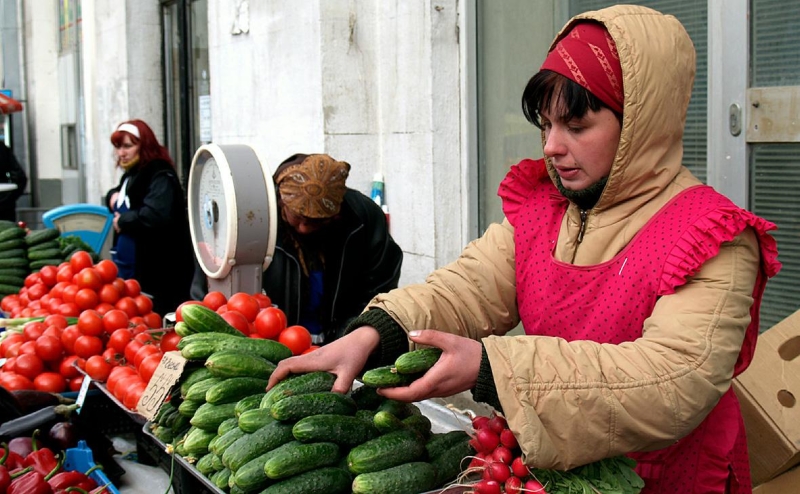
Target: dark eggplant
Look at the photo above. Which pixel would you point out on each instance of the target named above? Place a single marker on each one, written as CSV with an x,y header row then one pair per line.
x,y
10,407
25,425
62,436
31,400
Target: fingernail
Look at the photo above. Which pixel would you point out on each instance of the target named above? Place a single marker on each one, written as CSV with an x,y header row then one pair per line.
x,y
413,334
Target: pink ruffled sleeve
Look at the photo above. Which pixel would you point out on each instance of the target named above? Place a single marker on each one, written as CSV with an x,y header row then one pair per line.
x,y
516,187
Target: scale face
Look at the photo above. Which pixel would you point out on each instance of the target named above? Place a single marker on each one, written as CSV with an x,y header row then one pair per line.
x,y
232,216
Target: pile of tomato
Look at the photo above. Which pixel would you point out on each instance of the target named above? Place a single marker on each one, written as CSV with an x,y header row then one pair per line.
x,y
256,317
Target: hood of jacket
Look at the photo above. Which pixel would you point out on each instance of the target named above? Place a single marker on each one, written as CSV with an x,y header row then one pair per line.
x,y
658,68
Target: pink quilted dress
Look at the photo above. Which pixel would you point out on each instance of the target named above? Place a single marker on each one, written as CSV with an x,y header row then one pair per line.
x,y
609,303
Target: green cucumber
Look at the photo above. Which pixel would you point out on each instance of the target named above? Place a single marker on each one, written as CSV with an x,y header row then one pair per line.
x,y
204,320
228,363
366,397
216,463
9,289
35,237
209,416
344,430
311,382
248,403
386,451
18,272
196,442
439,443
198,350
38,255
14,254
163,433
50,244
14,243
6,224
221,478
448,464
328,480
40,263
256,444
193,337
386,422
234,389
187,408
399,409
12,280
296,458
193,376
387,377
251,477
419,424
417,361
293,408
183,331
227,425
14,262
252,420
415,476
198,390
12,233
225,441
204,465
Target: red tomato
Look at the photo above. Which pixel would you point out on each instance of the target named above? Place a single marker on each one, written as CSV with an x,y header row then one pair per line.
x,y
263,300
68,309
13,349
9,366
119,339
124,385
48,275
119,284
109,294
37,291
245,304
144,304
90,323
86,346
127,304
89,278
131,349
112,357
132,288
11,338
56,320
152,320
115,319
28,347
53,331
310,349
15,382
143,352
107,270
237,320
68,337
178,316
29,366
297,338
169,342
69,292
97,368
67,366
32,279
143,338
65,274
148,366
213,300
103,307
49,348
33,330
222,309
86,299
80,260
133,394
75,383
270,322
116,374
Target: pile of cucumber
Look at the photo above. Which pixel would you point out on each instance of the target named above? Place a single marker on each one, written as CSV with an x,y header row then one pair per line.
x,y
299,437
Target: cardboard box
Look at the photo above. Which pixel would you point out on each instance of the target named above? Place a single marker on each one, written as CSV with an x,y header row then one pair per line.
x,y
782,484
769,391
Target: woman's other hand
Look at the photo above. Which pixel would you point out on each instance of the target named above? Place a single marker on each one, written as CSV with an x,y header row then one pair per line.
x,y
456,370
344,357
116,222
112,201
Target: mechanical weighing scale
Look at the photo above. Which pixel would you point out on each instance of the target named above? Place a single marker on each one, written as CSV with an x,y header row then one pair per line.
x,y
233,216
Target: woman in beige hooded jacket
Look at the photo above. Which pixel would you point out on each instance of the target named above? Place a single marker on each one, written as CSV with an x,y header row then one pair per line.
x,y
572,400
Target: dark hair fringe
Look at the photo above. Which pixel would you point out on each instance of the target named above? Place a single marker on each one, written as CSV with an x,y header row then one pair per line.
x,y
547,87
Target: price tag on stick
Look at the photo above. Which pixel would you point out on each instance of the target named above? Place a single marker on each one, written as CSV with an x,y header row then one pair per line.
x,y
87,381
166,375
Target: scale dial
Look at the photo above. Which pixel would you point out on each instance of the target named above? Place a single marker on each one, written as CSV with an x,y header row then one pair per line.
x,y
232,209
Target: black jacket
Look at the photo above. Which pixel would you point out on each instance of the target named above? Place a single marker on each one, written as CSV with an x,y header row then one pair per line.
x,y
10,172
159,225
362,260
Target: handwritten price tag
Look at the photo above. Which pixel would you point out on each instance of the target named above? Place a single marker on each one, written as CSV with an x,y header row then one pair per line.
x,y
82,393
166,375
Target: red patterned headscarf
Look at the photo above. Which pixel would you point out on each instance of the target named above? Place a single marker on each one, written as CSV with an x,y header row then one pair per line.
x,y
588,56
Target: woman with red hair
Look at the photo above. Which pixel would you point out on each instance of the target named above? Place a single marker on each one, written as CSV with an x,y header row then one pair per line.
x,y
151,229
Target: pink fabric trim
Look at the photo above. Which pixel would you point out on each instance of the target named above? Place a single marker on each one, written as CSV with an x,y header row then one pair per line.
x,y
518,183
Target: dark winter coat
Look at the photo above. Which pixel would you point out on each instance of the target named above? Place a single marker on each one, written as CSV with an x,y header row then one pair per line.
x,y
10,172
159,225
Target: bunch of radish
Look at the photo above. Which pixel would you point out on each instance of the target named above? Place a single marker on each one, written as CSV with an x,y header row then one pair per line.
x,y
498,459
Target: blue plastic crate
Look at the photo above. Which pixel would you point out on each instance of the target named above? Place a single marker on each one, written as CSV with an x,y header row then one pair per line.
x,y
80,459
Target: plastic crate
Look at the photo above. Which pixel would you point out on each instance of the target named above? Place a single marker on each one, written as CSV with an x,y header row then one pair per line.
x,y
80,459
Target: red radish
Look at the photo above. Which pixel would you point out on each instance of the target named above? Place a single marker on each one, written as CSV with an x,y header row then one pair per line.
x,y
503,455
508,440
487,440
533,485
487,487
513,485
497,424
478,461
479,422
476,445
518,468
498,471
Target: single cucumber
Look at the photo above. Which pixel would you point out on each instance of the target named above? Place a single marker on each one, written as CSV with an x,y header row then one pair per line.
x,y
50,244
204,465
221,478
328,480
183,331
198,390
12,233
14,254
39,264
268,349
198,350
234,389
13,262
386,422
256,444
419,424
248,403
366,397
417,361
251,477
224,441
449,463
209,416
386,451
293,408
187,408
192,376
299,384
196,442
193,337
204,320
38,255
216,462
399,409
227,425
439,443
386,377
296,458
229,363
415,476
341,429
35,237
252,420
163,433
14,243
